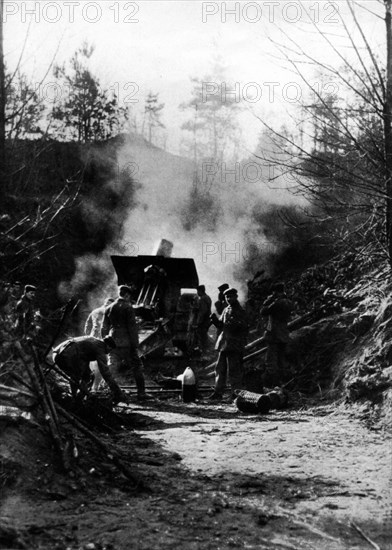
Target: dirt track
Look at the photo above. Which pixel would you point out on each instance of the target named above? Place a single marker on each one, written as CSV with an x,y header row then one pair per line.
x,y
219,479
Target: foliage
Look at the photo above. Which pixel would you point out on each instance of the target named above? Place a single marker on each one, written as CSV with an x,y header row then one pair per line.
x,y
85,111
152,115
212,124
24,107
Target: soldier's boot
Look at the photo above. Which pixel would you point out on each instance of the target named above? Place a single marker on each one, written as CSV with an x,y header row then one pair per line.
x,y
117,394
141,388
215,396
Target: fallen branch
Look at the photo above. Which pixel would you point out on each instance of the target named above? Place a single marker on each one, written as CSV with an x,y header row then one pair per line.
x,y
46,391
17,391
49,416
116,461
355,526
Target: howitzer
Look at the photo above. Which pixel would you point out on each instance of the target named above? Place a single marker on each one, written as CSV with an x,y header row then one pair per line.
x,y
162,309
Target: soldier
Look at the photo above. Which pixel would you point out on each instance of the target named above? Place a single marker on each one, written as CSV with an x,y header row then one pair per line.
x,y
93,328
25,314
74,355
231,343
278,308
203,318
120,323
16,290
221,303
94,320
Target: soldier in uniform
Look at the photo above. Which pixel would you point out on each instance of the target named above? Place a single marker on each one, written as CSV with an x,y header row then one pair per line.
x,y
94,320
93,328
231,343
120,323
25,314
73,356
202,318
277,308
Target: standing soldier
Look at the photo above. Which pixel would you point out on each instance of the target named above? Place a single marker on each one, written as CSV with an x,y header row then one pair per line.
x,y
220,305
93,328
203,318
25,315
120,323
94,320
231,343
278,308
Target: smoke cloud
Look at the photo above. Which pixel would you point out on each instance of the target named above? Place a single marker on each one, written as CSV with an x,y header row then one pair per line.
x,y
207,211
212,213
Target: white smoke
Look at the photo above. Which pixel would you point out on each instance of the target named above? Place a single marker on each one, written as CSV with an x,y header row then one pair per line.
x,y
166,182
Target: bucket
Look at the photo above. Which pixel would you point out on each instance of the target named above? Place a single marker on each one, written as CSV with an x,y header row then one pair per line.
x,y
188,386
249,402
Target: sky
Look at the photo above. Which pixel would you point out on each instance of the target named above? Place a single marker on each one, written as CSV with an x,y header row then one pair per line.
x,y
159,45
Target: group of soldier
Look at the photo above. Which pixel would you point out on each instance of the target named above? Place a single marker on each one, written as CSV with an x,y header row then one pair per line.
x,y
110,343
232,324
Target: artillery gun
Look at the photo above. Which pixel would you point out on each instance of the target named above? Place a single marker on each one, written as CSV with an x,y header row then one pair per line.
x,y
164,290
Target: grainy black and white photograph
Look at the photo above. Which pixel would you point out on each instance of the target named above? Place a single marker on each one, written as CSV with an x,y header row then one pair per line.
x,y
195,275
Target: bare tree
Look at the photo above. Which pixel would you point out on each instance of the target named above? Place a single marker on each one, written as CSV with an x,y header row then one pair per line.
x,y
152,115
2,92
387,118
343,146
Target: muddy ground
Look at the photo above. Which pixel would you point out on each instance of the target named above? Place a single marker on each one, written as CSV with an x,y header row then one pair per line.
x,y
309,477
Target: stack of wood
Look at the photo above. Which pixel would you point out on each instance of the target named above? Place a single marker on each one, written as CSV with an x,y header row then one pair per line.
x,y
60,422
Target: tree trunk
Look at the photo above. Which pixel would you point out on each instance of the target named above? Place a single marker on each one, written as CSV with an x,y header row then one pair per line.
x,y
2,97
388,127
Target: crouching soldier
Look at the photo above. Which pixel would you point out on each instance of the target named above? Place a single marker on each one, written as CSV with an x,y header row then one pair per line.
x,y
73,357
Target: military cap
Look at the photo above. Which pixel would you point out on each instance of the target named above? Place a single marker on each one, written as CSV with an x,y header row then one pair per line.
x,y
30,288
230,291
223,287
124,289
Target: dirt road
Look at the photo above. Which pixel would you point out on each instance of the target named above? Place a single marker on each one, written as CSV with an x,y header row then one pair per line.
x,y
299,479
